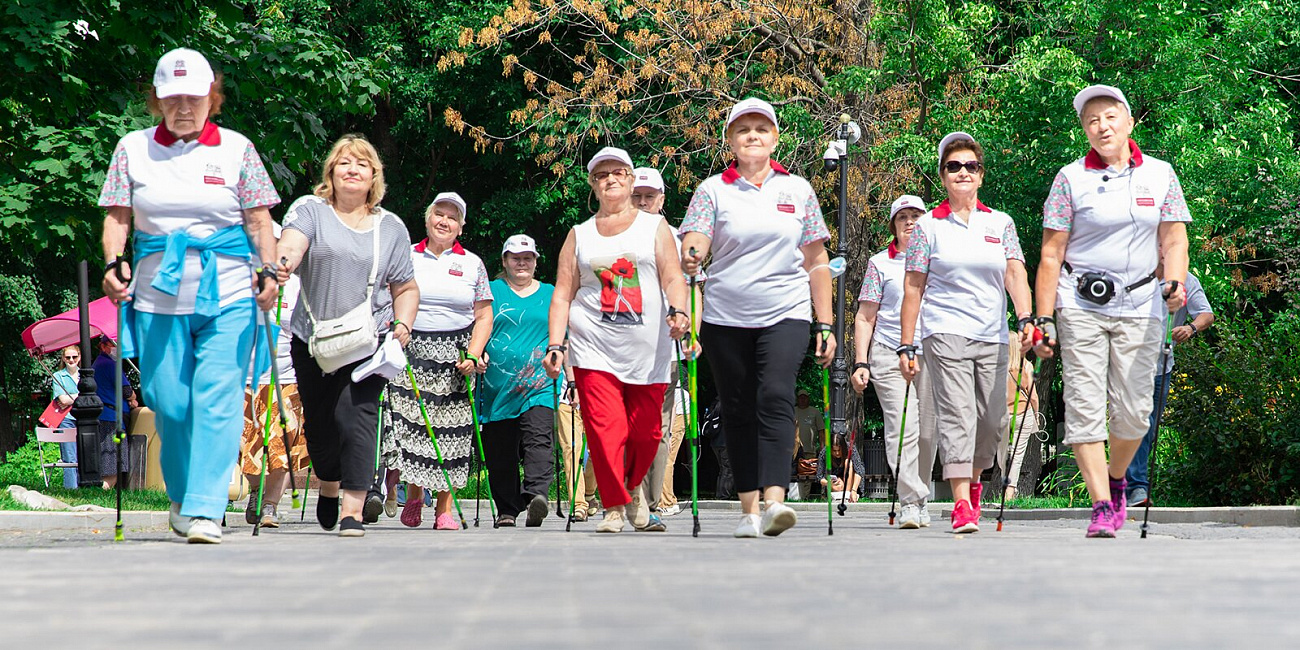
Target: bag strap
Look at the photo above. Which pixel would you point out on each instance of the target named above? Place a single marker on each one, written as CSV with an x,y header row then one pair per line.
x,y
374,271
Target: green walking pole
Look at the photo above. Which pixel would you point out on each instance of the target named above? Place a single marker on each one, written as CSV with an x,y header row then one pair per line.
x,y
266,431
826,435
693,387
302,516
555,428
379,432
1166,350
478,437
410,374
279,400
266,460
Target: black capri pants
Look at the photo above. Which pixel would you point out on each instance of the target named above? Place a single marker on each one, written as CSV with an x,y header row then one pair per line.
x,y
342,415
754,370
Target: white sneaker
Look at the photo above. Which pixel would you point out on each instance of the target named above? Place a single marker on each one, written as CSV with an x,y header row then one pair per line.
x,y
925,515
640,514
674,509
777,518
203,531
180,525
748,527
612,523
910,518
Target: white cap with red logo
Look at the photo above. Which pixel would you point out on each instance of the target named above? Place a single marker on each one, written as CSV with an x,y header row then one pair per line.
x,y
182,72
906,201
647,177
752,105
519,244
609,153
454,199
1098,90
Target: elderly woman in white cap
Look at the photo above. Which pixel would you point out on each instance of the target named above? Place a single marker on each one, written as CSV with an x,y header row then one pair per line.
x,y
964,258
450,333
200,201
620,295
1114,221
768,277
516,403
876,333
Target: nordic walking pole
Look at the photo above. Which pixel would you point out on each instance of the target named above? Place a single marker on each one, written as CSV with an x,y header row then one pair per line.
x,y
1015,434
478,436
266,459
379,434
279,400
826,436
1166,350
274,391
437,451
118,433
476,468
898,458
303,515
693,387
848,475
555,429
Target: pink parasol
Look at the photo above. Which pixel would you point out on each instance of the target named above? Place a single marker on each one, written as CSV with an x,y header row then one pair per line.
x,y
51,334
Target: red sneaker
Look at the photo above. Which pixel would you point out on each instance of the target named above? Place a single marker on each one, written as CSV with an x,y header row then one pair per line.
x,y
976,491
964,519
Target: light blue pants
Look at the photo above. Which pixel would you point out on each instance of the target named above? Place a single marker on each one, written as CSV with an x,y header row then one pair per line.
x,y
192,372
68,454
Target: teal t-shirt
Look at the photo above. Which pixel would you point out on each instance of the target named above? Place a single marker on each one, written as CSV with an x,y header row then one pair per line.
x,y
515,380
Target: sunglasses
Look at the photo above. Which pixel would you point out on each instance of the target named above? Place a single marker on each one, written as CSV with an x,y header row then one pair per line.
x,y
619,173
72,358
953,166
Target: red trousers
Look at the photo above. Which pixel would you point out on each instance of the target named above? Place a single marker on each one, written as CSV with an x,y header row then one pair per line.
x,y
622,422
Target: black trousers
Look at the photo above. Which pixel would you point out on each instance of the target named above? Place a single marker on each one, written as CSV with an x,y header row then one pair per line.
x,y
754,370
340,419
528,439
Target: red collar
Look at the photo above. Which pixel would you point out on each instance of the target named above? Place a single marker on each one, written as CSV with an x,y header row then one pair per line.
x,y
210,135
1093,159
943,210
456,248
893,249
731,175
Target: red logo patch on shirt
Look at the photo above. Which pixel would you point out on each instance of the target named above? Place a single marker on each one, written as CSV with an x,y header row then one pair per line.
x,y
785,207
214,180
455,270
992,240
1146,202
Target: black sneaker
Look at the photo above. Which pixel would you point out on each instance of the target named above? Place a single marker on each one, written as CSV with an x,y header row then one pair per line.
x,y
250,511
538,508
327,512
350,527
373,508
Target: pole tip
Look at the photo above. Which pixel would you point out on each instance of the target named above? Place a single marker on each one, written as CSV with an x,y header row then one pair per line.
x,y
999,526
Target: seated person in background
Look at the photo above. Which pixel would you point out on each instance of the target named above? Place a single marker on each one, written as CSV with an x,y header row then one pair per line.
x,y
847,470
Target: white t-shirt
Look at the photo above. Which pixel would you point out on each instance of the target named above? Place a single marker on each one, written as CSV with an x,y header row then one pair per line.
x,y
198,187
1113,217
883,285
450,284
616,320
965,292
756,278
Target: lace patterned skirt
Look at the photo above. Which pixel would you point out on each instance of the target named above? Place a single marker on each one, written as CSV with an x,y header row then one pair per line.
x,y
406,443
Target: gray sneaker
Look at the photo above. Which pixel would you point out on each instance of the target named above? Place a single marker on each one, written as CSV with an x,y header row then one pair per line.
x,y
925,515
910,519
180,525
1138,497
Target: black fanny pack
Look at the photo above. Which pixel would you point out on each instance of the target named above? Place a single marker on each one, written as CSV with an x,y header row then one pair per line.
x,y
1098,289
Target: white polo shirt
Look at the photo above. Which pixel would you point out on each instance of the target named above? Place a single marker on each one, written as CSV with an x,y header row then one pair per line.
x,y
756,278
965,293
1113,217
449,284
198,187
883,285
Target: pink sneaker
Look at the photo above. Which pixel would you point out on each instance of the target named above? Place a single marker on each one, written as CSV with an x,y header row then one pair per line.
x,y
1103,520
446,522
976,491
1118,501
964,519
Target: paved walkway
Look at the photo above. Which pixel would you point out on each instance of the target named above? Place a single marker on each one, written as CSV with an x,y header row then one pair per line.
x,y
1037,584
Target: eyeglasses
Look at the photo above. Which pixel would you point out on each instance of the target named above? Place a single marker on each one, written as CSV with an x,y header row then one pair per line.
x,y
953,166
620,173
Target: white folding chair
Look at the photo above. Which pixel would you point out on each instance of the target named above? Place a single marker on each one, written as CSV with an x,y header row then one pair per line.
x,y
46,434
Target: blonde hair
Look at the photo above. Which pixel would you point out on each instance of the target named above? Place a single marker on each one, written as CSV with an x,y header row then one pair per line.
x,y
353,144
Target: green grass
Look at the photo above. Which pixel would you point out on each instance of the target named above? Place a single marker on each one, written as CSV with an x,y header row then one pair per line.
x,y
20,468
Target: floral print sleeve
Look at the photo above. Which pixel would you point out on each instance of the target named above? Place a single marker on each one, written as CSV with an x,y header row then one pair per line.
x,y
482,290
1011,242
872,287
918,252
1175,206
814,225
254,189
117,184
1058,211
700,214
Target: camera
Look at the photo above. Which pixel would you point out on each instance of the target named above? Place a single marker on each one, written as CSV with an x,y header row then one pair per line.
x,y
1096,288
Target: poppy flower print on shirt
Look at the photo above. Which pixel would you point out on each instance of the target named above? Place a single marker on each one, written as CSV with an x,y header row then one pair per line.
x,y
620,289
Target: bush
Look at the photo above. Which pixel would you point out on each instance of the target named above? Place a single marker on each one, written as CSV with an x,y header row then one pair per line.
x,y
1232,434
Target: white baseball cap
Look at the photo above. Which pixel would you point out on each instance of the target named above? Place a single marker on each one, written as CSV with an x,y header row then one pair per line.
x,y
609,153
182,72
647,177
1099,90
519,244
906,201
454,199
752,105
952,137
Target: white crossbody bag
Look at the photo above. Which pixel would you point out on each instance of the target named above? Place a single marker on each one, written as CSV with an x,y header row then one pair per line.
x,y
336,342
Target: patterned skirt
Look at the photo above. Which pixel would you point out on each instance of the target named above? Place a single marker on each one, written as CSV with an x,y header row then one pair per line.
x,y
250,446
406,445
